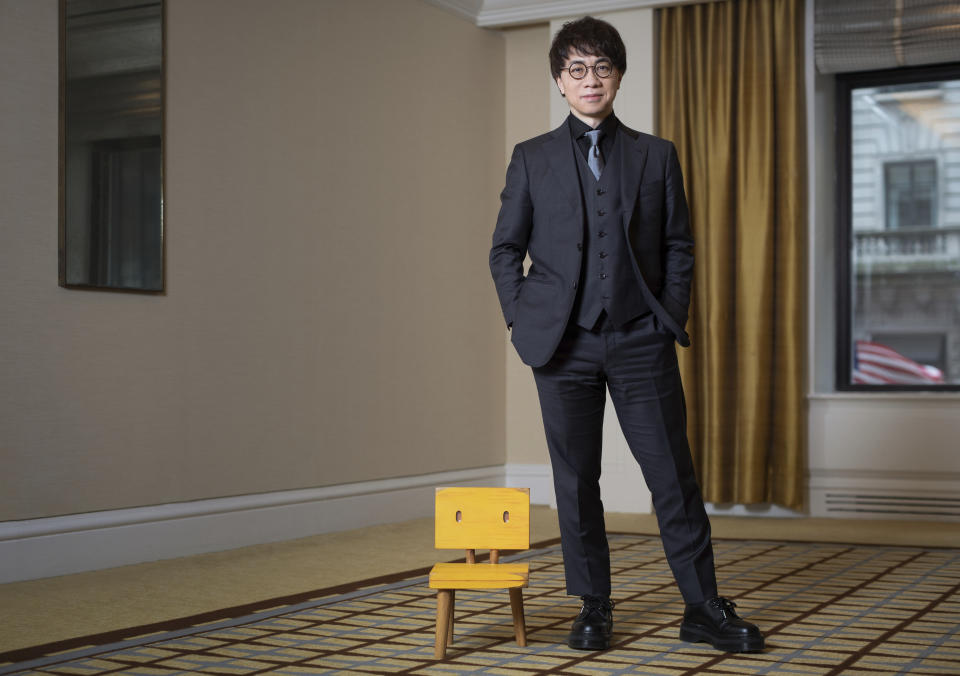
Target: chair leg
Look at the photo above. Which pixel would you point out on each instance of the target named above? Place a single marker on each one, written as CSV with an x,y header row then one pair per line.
x,y
519,625
453,603
444,599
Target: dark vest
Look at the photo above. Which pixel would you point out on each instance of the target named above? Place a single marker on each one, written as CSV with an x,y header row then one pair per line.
x,y
607,280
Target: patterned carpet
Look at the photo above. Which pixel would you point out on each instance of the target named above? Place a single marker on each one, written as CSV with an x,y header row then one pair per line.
x,y
826,609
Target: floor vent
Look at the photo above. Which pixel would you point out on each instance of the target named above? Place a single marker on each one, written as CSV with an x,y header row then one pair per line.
x,y
892,506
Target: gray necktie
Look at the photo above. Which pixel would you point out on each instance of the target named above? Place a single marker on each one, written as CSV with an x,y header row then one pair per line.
x,y
594,158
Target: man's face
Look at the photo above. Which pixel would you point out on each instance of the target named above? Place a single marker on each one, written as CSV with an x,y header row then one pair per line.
x,y
590,98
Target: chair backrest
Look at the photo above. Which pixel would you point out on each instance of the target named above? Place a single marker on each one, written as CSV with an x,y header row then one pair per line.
x,y
482,518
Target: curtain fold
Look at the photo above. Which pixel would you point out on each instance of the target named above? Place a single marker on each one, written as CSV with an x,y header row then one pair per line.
x,y
731,97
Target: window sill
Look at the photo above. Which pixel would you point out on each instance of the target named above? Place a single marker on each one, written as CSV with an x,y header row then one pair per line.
x,y
949,395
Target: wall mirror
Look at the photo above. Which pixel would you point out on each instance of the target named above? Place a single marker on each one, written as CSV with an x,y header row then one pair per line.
x,y
111,144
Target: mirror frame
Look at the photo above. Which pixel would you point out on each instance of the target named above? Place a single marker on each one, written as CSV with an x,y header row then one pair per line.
x,y
61,160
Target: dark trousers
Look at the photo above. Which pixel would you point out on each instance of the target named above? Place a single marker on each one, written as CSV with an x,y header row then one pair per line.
x,y
638,363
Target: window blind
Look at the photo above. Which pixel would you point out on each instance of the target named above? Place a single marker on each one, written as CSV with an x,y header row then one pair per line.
x,y
855,35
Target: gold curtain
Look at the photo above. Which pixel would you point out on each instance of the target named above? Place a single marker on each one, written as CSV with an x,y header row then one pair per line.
x,y
731,98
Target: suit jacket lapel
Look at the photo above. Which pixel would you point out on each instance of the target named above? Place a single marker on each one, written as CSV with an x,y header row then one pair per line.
x,y
633,159
563,163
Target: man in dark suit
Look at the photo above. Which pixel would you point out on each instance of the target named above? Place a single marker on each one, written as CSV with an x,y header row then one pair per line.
x,y
601,211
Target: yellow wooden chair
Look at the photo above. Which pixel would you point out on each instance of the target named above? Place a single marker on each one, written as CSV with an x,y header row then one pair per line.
x,y
480,518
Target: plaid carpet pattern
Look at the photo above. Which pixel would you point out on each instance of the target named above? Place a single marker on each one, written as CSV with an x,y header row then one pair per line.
x,y
825,608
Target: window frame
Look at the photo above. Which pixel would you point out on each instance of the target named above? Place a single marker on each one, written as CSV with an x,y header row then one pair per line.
x,y
844,86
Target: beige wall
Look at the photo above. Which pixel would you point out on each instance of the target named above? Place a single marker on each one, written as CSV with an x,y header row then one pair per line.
x,y
329,315
529,89
332,171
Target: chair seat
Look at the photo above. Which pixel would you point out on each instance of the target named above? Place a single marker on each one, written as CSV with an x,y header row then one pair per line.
x,y
479,575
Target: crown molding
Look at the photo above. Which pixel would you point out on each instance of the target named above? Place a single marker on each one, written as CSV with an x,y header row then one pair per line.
x,y
506,13
465,9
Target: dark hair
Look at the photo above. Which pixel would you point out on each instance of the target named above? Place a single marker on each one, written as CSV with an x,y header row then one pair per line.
x,y
588,36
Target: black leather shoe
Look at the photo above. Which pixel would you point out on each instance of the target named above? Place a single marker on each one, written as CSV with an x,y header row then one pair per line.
x,y
593,627
716,623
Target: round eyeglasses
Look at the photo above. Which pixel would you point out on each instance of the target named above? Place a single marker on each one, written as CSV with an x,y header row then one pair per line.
x,y
578,70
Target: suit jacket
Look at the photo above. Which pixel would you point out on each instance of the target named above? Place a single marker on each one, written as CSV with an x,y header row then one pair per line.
x,y
542,214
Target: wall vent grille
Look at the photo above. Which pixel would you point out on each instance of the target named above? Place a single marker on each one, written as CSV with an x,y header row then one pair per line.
x,y
892,506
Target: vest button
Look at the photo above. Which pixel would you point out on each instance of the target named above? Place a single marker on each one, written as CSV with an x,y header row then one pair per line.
x,y
579,246
601,191
574,285
601,234
603,275
601,212
603,254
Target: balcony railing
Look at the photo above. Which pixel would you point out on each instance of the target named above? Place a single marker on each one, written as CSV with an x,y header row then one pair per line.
x,y
907,250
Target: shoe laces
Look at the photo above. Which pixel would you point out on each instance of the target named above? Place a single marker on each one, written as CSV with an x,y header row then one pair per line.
x,y
725,606
596,603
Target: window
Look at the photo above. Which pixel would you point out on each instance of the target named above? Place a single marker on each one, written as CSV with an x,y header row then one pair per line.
x,y
910,189
898,229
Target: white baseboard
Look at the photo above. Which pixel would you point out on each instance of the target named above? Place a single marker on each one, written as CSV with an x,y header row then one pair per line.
x,y
538,478
764,510
60,545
